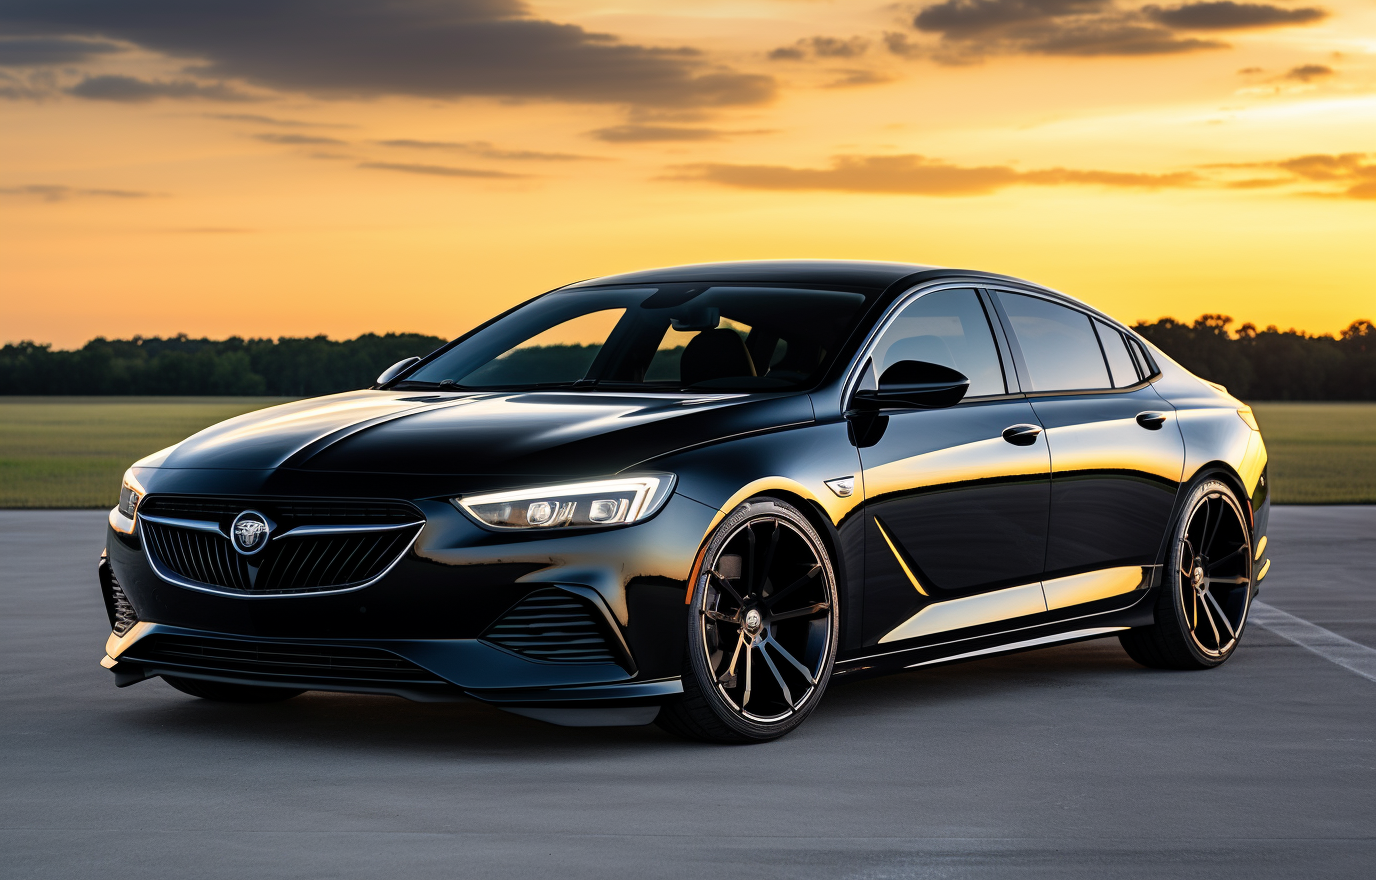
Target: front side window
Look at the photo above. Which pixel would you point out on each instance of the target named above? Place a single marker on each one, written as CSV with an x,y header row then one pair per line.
x,y
1058,344
946,327
654,338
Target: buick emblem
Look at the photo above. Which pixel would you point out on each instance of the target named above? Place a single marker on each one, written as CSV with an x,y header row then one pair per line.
x,y
249,533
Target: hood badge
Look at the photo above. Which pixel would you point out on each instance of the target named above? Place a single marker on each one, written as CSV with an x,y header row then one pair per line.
x,y
249,532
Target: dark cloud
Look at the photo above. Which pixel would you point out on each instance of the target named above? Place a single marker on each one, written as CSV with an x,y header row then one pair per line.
x,y
852,78
970,29
427,48
274,137
441,170
33,85
1309,72
821,47
272,120
918,175
900,45
1229,16
1250,71
42,51
486,150
50,192
1343,175
640,134
129,90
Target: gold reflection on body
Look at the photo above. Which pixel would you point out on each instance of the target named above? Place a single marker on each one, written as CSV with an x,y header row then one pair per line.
x,y
1094,585
912,578
970,611
1261,547
982,460
1116,445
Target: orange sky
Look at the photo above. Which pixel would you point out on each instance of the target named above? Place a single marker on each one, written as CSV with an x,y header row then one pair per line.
x,y
299,167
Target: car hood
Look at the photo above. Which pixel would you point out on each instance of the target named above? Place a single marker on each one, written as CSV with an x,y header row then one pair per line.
x,y
560,434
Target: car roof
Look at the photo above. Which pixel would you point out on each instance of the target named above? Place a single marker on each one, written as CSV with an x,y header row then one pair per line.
x,y
847,273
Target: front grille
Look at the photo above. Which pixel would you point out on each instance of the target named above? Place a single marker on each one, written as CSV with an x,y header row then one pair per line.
x,y
272,661
290,563
553,625
117,605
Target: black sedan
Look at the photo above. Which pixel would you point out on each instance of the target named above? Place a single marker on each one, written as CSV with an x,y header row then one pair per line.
x,y
696,495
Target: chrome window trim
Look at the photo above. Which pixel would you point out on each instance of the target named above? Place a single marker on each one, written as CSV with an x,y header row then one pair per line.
x,y
855,371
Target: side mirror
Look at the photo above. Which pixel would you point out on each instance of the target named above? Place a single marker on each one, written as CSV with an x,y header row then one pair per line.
x,y
395,370
915,385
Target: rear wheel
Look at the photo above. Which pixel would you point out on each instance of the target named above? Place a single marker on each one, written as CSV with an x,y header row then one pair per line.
x,y
224,692
762,629
1207,590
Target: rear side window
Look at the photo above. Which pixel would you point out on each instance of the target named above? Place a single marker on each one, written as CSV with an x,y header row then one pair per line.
x,y
1120,365
1058,344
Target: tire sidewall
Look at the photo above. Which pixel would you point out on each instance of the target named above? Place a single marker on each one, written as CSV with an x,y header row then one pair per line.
x,y
702,678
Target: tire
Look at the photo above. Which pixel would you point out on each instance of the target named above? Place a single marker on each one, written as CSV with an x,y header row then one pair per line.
x,y
1207,589
224,692
764,598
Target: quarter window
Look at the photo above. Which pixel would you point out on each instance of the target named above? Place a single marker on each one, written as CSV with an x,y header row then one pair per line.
x,y
1058,344
1120,365
946,327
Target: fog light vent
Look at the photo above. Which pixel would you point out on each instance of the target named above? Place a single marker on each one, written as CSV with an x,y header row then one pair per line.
x,y
553,626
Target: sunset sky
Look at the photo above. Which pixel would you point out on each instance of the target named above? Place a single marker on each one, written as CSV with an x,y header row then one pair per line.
x,y
297,167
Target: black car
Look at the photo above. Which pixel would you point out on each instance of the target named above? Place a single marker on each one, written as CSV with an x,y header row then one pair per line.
x,y
694,496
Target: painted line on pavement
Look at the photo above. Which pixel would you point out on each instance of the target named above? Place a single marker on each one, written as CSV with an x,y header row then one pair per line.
x,y
1327,644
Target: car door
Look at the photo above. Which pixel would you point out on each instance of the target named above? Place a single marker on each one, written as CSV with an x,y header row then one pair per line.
x,y
1116,450
952,508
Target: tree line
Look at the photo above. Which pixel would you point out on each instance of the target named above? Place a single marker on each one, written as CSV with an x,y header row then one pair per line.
x,y
1269,364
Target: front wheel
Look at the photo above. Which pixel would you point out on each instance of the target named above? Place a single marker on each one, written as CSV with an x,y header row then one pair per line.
x,y
1207,590
762,628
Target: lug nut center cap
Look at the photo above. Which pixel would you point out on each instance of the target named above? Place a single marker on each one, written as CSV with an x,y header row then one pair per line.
x,y
753,620
1197,576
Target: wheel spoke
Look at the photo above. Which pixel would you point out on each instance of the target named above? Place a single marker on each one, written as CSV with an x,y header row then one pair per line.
x,y
1208,543
1215,563
788,695
812,573
1221,616
750,560
717,615
791,659
735,655
1194,610
723,583
809,611
758,589
749,652
1208,615
1232,580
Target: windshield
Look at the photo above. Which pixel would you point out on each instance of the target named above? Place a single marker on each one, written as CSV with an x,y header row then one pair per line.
x,y
665,338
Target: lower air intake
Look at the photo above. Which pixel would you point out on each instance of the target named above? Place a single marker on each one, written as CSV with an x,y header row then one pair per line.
x,y
278,662
117,605
554,626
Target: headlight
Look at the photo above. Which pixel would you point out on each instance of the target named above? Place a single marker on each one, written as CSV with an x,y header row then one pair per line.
x,y
130,494
573,505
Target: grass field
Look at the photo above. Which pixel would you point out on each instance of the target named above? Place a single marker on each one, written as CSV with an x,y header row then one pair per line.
x,y
71,451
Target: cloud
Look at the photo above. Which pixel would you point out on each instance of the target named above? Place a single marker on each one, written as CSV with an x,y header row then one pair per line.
x,y
1230,16
852,78
900,45
129,90
970,29
35,85
486,150
424,48
441,170
43,51
1308,72
639,134
1344,175
272,120
821,47
917,175
51,192
273,137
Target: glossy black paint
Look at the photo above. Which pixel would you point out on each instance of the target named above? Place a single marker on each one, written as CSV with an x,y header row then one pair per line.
x,y
939,491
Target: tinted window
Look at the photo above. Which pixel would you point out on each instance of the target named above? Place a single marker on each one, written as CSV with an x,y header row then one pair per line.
x,y
667,337
1120,365
947,327
1058,344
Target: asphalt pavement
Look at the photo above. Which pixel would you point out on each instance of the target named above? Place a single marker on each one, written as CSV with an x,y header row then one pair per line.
x,y
1066,762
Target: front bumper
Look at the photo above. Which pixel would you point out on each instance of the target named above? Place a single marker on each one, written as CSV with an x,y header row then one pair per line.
x,y
424,630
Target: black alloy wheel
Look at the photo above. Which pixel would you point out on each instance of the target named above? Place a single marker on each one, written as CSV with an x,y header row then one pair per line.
x,y
762,628
1207,589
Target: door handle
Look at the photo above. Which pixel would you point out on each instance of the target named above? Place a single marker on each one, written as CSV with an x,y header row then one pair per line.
x,y
1021,435
1152,421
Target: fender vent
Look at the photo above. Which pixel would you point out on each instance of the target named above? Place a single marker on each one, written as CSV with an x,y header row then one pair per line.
x,y
554,626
